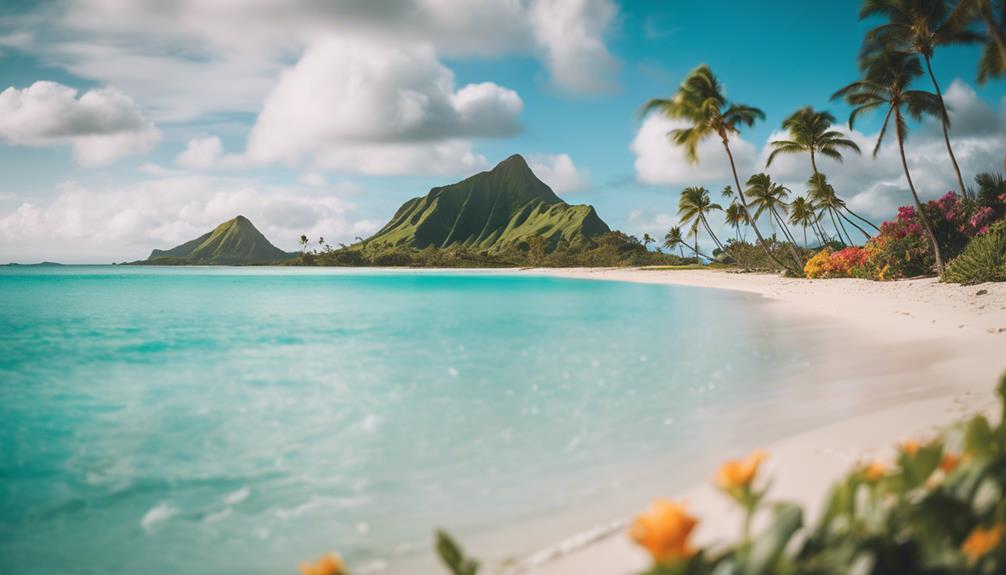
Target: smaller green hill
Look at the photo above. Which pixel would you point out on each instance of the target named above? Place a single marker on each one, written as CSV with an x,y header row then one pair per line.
x,y
234,242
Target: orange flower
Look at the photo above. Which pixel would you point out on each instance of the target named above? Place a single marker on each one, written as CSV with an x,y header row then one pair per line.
x,y
664,531
949,462
910,447
328,564
740,473
982,540
875,471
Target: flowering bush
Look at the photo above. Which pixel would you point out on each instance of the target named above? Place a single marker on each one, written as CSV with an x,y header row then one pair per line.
x,y
937,508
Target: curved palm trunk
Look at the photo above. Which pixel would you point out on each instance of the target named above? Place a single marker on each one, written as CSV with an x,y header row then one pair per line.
x,y
782,224
853,224
945,121
751,222
838,231
861,218
915,195
720,245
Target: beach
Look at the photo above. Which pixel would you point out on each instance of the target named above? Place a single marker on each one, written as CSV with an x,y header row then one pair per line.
x,y
941,349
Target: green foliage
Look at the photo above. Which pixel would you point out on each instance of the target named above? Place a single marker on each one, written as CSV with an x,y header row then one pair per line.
x,y
983,260
611,249
453,556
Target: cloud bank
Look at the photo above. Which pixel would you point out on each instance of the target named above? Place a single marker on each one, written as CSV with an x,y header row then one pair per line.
x,y
101,125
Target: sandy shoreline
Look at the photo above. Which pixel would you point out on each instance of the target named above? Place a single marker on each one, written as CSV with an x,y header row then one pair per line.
x,y
954,343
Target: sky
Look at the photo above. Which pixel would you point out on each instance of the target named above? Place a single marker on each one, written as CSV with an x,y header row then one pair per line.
x,y
128,125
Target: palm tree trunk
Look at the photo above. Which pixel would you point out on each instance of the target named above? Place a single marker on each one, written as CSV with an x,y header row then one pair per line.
x,y
853,224
782,224
720,245
838,232
751,222
945,121
805,235
861,218
915,195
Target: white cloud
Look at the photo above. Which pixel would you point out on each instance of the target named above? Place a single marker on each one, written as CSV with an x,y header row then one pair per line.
x,y
658,161
82,224
374,109
207,153
101,125
559,172
233,50
571,34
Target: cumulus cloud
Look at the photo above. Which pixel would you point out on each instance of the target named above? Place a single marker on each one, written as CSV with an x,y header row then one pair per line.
x,y
101,125
872,187
571,34
376,109
559,172
660,162
206,153
85,224
234,50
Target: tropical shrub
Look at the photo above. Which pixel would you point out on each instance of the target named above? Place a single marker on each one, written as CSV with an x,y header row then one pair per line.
x,y
983,260
937,508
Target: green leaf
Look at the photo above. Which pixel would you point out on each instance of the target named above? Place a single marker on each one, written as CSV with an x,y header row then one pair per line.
x,y
767,548
454,557
979,439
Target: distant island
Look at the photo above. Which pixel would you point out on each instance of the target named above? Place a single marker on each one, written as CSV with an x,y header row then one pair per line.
x,y
504,217
234,242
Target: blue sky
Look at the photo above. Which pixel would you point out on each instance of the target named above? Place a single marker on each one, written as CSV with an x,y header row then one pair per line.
x,y
283,108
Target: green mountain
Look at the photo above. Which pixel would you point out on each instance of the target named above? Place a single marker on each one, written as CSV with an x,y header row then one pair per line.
x,y
234,242
490,211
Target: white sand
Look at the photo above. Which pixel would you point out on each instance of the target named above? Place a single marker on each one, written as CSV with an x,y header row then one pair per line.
x,y
960,339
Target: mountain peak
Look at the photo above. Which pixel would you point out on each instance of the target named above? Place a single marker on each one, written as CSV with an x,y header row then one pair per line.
x,y
236,241
490,211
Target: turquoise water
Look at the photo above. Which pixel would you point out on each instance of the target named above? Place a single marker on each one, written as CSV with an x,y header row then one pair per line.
x,y
239,420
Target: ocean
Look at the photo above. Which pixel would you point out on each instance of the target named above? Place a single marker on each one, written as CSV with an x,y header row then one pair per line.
x,y
240,420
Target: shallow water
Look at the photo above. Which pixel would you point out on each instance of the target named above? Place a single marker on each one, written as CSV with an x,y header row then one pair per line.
x,y
239,420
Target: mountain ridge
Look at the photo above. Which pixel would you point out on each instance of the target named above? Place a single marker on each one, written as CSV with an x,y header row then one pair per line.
x,y
491,211
234,242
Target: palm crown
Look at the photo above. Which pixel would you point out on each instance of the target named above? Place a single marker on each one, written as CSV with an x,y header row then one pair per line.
x,y
701,102
810,132
887,78
918,26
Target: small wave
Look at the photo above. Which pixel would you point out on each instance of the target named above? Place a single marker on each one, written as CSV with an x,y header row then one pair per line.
x,y
158,514
238,496
569,545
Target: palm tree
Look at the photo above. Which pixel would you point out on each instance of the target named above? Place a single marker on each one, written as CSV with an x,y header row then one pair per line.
x,y
303,243
673,239
803,213
693,205
993,14
727,193
885,84
810,132
769,196
918,27
700,101
647,240
823,195
736,218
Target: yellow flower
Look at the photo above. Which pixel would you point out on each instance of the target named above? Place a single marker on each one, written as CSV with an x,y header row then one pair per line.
x,y
875,471
949,462
982,540
740,473
664,531
328,564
